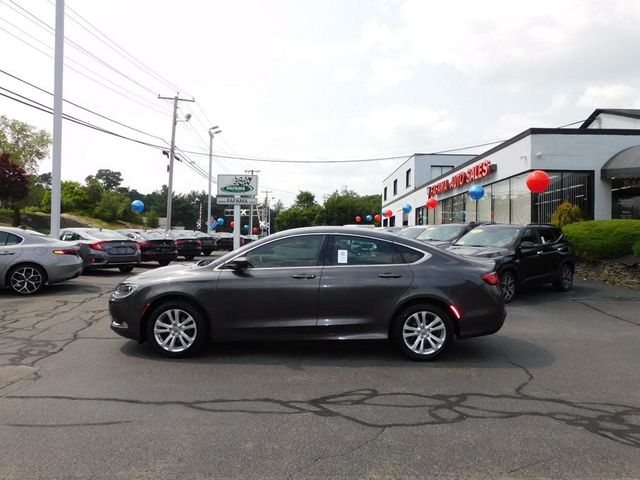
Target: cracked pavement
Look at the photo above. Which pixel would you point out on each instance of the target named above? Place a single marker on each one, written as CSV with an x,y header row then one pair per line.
x,y
555,394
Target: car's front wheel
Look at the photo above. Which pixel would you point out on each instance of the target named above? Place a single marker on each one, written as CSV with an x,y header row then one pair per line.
x,y
26,279
126,268
176,329
423,332
565,280
507,285
189,257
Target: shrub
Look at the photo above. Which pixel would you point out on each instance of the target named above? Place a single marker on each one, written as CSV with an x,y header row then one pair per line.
x,y
602,239
565,214
636,248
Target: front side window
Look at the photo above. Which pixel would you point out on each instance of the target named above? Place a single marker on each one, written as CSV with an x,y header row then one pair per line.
x,y
352,250
300,251
529,235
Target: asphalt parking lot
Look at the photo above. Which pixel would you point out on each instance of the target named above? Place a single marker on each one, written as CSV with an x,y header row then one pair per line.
x,y
555,394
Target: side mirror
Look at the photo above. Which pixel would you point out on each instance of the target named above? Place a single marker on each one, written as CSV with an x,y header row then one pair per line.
x,y
528,245
238,264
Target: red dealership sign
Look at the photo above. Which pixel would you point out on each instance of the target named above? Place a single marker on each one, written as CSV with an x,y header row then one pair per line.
x,y
479,170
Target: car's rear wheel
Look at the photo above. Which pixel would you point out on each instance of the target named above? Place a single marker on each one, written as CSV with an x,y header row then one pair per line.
x,y
126,268
26,279
205,253
164,263
507,285
423,332
565,281
176,329
189,257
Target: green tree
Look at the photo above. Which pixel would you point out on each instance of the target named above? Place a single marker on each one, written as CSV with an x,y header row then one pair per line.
x,y
74,197
14,182
565,214
304,200
297,217
108,179
113,206
152,219
26,144
341,208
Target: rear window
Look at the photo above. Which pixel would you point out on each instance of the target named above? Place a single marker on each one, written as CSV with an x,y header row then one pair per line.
x,y
402,254
106,235
7,238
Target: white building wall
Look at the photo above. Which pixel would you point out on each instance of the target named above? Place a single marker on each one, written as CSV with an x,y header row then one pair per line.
x,y
605,120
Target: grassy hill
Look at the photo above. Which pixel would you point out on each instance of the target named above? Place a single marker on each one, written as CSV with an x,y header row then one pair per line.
x,y
41,222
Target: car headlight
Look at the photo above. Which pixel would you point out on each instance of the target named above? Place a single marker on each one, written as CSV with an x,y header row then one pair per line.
x,y
124,290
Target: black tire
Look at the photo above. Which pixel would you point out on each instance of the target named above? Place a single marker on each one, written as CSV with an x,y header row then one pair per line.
x,y
419,324
189,257
508,285
164,263
26,279
161,328
126,268
206,253
565,278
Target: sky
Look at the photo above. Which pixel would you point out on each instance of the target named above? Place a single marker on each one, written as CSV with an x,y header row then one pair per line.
x,y
311,80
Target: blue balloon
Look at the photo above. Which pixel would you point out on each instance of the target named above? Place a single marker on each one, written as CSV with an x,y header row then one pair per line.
x,y
137,206
476,192
368,218
406,208
220,221
246,228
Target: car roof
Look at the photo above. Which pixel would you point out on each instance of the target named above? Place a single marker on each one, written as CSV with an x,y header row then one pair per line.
x,y
23,231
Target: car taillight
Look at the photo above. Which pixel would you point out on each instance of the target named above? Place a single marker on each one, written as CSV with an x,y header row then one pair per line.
x,y
179,242
96,246
143,244
65,251
198,242
491,278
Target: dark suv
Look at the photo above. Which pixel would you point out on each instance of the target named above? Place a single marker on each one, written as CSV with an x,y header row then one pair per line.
x,y
524,254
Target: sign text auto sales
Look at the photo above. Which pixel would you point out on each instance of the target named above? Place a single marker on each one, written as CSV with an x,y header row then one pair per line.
x,y
475,172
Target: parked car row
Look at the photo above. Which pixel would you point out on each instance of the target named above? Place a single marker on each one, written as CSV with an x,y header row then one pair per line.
x,y
523,254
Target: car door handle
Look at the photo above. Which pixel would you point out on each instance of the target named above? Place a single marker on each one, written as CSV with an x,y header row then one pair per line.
x,y
389,275
539,252
303,276
7,253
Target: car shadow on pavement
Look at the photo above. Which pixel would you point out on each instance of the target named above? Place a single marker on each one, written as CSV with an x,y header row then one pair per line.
x,y
497,351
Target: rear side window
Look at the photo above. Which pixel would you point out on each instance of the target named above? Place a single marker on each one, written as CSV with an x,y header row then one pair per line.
x,y
7,238
549,235
404,254
354,250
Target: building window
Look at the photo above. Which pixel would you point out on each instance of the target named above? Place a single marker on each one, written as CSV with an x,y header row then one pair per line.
x,y
408,178
520,200
384,193
405,219
484,206
573,187
437,170
625,198
500,202
395,187
392,221
421,216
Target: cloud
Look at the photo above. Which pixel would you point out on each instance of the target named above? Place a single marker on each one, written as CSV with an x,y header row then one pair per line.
x,y
345,74
513,123
405,125
610,96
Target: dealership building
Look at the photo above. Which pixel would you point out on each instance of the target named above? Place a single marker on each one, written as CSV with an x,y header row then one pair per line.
x,y
595,166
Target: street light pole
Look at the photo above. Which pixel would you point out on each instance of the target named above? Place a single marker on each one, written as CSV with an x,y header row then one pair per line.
x,y
56,157
212,131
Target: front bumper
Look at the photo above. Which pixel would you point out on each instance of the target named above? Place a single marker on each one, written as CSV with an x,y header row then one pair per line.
x,y
126,318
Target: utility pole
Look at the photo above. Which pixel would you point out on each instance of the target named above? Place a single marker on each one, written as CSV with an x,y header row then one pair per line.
x,y
252,172
56,168
172,152
212,131
268,213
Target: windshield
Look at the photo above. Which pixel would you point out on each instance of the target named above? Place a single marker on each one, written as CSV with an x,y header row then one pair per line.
x,y
411,232
441,233
490,237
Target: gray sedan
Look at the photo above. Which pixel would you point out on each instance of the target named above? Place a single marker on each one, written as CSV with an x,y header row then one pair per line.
x,y
314,283
103,248
29,259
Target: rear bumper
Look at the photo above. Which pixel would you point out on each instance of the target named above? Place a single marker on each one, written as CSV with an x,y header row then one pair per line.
x,y
110,261
158,256
60,273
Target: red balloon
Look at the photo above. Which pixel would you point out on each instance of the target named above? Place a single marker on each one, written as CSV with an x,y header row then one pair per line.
x,y
256,229
538,181
232,224
358,219
378,217
388,213
432,203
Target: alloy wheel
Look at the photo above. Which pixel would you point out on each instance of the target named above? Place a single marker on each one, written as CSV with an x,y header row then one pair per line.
x,y
507,286
424,333
26,280
175,330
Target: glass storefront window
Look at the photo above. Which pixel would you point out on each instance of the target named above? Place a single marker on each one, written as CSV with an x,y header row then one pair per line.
x,y
458,214
484,206
625,198
500,202
573,187
520,200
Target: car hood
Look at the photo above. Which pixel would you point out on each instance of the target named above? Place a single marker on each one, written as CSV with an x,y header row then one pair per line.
x,y
485,252
168,273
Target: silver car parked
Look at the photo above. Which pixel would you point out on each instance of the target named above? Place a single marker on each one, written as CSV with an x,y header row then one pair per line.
x,y
103,248
29,259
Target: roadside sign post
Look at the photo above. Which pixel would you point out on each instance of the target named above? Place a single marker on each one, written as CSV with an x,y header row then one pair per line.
x,y
237,190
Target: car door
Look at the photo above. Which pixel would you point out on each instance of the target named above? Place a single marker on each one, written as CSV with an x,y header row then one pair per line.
x,y
360,283
278,294
10,251
529,255
551,252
